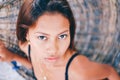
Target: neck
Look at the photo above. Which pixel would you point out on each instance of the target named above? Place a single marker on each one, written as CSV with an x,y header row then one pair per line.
x,y
43,71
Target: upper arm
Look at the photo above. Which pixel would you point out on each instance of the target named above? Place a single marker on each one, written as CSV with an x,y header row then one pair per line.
x,y
113,74
106,71
101,71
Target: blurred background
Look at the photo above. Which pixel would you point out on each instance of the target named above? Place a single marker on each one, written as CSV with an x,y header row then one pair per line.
x,y
97,33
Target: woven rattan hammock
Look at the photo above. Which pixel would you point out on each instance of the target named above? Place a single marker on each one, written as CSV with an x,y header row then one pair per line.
x,y
97,32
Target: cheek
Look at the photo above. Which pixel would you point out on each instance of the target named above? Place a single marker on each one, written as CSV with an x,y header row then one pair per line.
x,y
37,52
37,49
63,46
36,46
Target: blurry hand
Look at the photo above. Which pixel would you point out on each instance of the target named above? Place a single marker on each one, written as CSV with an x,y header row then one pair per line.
x,y
5,54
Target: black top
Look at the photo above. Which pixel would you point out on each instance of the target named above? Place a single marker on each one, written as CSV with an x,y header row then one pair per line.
x,y
68,64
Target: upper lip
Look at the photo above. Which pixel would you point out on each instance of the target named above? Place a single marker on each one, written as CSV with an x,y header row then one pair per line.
x,y
51,58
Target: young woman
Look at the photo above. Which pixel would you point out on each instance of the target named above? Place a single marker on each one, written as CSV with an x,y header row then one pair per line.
x,y
45,30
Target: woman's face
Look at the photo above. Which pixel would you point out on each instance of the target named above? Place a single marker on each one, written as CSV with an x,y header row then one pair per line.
x,y
49,38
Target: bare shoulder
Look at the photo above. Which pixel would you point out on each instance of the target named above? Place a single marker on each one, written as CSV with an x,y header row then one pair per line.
x,y
85,69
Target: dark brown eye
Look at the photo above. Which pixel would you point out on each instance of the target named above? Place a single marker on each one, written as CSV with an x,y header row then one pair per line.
x,y
63,36
42,37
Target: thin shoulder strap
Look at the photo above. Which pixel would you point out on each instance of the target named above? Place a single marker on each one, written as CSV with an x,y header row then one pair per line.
x,y
29,58
68,64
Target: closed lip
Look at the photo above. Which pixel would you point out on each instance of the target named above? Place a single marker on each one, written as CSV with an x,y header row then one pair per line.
x,y
52,58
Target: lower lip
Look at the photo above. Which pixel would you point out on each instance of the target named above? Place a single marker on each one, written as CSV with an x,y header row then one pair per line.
x,y
51,59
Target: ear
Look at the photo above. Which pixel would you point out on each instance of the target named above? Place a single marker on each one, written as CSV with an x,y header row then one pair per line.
x,y
27,36
23,47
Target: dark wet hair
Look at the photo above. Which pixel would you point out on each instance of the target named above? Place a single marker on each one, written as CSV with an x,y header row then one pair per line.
x,y
31,10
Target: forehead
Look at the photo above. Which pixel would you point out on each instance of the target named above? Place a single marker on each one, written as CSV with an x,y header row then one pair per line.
x,y
53,22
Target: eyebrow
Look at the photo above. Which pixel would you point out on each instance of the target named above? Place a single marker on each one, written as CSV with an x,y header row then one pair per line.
x,y
63,32
48,34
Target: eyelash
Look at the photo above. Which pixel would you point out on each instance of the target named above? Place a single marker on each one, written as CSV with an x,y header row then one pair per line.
x,y
63,36
42,37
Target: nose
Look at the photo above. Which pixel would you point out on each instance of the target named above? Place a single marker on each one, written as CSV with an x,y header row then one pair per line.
x,y
52,47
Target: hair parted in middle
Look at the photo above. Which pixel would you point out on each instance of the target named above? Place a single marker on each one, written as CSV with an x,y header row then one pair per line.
x,y
31,10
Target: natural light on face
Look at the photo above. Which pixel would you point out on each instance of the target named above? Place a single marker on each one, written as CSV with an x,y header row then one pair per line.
x,y
50,38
